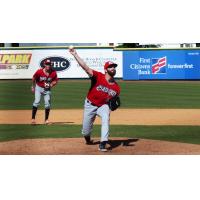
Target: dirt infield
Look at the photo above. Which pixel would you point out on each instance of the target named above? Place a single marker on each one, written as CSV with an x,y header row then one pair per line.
x,y
119,117
76,146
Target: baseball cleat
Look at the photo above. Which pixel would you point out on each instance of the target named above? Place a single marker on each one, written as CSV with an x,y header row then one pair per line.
x,y
102,146
33,122
47,122
88,140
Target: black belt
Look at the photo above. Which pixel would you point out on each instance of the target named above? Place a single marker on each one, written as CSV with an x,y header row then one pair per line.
x,y
91,103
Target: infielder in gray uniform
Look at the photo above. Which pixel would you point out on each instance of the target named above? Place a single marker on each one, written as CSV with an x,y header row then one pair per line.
x,y
43,80
103,89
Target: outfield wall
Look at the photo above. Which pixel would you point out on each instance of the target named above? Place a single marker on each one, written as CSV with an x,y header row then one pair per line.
x,y
133,64
21,64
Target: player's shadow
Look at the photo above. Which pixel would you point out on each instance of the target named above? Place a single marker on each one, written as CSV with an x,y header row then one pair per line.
x,y
53,123
126,142
61,123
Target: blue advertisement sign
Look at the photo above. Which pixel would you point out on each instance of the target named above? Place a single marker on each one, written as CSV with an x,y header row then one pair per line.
x,y
161,64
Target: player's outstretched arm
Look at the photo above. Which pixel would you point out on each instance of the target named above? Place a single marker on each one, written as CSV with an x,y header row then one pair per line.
x,y
81,62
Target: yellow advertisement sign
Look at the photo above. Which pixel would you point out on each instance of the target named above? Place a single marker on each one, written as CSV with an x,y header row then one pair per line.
x,y
15,61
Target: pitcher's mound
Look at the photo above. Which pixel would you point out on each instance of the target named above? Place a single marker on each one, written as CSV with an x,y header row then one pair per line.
x,y
77,146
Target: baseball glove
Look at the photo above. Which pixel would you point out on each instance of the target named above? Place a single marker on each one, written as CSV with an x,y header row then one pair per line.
x,y
114,103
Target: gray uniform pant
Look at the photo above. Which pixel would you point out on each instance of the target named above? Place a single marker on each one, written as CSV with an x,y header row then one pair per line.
x,y
39,91
90,112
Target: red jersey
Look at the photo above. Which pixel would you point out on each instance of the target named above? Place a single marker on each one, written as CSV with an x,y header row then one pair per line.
x,y
101,91
41,77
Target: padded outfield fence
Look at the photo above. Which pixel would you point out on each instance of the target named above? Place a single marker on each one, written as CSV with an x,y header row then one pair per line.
x,y
133,64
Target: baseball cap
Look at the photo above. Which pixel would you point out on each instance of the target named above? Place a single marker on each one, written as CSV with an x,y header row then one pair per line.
x,y
47,62
109,63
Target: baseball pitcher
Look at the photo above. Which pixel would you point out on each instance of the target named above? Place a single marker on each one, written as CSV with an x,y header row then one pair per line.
x,y
102,98
43,80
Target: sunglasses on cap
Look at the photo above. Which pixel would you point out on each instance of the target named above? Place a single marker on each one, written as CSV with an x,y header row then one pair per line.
x,y
47,63
111,66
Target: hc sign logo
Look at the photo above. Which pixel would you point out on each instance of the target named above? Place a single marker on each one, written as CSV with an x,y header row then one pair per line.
x,y
58,63
159,65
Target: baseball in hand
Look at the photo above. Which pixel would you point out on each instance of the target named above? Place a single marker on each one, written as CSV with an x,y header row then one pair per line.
x,y
71,47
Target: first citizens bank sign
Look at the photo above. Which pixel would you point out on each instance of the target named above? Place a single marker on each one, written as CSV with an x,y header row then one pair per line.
x,y
161,64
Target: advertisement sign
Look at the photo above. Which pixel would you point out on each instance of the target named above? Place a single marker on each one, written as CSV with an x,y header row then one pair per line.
x,y
22,64
161,64
15,61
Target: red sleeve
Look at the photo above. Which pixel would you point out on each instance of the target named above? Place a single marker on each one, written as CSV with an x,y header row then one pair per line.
x,y
118,90
95,73
36,74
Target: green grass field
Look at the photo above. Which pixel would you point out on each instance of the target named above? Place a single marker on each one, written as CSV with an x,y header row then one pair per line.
x,y
71,94
186,134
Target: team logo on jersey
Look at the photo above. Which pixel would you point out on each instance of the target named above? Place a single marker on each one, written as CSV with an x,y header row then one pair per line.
x,y
159,65
110,92
58,63
43,78
15,61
